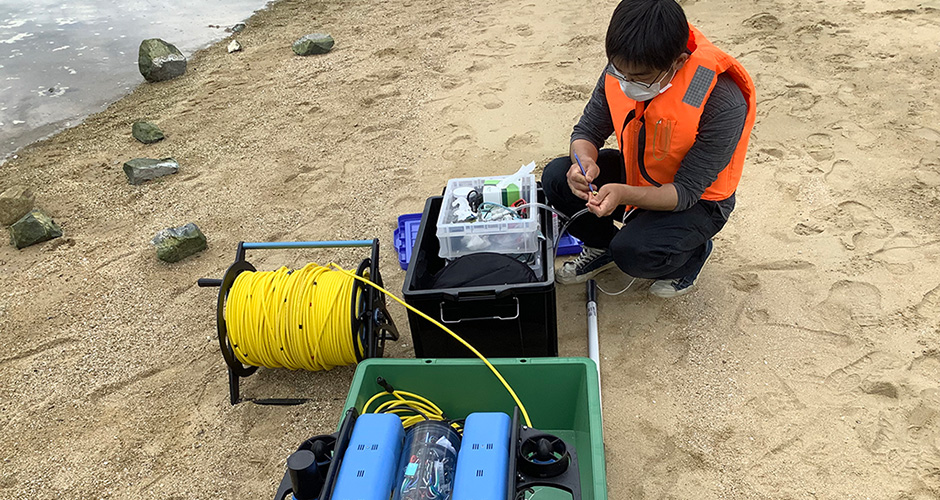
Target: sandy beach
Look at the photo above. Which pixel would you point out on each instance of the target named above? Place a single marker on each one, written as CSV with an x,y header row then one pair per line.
x,y
805,365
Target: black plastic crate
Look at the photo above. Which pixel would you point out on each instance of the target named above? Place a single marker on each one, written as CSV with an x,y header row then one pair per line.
x,y
513,320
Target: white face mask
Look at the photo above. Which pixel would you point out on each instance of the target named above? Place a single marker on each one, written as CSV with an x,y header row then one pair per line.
x,y
641,92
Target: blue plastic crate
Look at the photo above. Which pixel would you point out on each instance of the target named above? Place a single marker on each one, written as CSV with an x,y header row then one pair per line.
x,y
404,237
569,245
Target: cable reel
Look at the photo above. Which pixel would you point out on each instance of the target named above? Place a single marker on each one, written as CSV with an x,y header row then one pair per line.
x,y
371,325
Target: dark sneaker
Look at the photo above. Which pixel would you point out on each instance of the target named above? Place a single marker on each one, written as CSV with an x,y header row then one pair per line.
x,y
591,262
667,289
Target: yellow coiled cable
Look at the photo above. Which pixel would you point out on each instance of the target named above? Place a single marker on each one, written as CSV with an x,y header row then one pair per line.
x,y
300,320
411,411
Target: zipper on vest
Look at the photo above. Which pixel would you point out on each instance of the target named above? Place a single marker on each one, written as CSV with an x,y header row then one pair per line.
x,y
623,138
641,152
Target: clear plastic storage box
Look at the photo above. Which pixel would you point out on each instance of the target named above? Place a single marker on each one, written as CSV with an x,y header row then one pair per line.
x,y
505,236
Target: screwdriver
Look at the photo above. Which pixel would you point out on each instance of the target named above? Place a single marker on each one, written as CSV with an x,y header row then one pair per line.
x,y
593,189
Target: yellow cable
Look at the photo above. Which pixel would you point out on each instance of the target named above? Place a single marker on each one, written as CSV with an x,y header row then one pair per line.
x,y
525,414
298,319
410,411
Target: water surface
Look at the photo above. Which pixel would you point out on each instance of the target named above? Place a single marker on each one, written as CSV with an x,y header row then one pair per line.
x,y
63,60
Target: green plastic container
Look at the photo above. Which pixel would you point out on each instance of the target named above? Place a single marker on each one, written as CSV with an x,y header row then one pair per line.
x,y
560,395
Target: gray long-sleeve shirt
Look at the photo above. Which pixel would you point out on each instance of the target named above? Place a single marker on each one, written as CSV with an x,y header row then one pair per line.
x,y
720,128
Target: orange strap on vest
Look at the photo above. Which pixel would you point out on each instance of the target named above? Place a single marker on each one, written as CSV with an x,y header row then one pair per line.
x,y
655,136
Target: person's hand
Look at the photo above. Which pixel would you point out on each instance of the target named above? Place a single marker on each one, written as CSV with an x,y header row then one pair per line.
x,y
608,198
581,184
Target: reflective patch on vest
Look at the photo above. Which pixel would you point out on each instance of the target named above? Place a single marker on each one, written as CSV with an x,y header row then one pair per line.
x,y
698,88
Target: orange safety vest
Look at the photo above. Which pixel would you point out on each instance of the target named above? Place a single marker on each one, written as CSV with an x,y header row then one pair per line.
x,y
654,136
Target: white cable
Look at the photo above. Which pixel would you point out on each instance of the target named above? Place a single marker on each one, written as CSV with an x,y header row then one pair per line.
x,y
562,232
616,293
546,207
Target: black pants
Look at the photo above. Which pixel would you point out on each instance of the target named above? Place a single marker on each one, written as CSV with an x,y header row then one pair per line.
x,y
651,244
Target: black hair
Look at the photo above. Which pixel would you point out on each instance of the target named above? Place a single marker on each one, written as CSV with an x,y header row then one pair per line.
x,y
649,34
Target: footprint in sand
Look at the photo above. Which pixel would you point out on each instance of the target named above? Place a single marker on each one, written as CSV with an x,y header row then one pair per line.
x,y
524,30
927,171
777,153
851,303
854,132
386,52
928,134
859,227
879,387
848,378
763,22
788,180
847,62
580,41
372,99
840,60
809,34
819,147
929,306
846,94
865,219
896,439
802,100
775,399
807,229
439,33
767,54
745,282
498,45
842,176
490,100
458,146
385,76
478,66
927,472
450,82
772,95
522,141
880,437
772,86
765,155
556,91
901,253
927,367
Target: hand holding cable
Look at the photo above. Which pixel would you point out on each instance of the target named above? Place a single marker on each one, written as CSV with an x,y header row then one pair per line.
x,y
608,198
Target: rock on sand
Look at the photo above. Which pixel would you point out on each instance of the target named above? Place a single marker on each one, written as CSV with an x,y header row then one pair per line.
x,y
159,60
176,243
34,227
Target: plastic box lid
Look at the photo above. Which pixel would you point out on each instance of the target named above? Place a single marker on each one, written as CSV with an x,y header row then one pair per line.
x,y
404,237
513,236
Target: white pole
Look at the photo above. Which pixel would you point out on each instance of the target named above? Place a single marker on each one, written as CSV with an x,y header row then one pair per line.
x,y
593,343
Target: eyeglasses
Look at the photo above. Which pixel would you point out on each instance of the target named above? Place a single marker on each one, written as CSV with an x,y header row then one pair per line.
x,y
612,71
